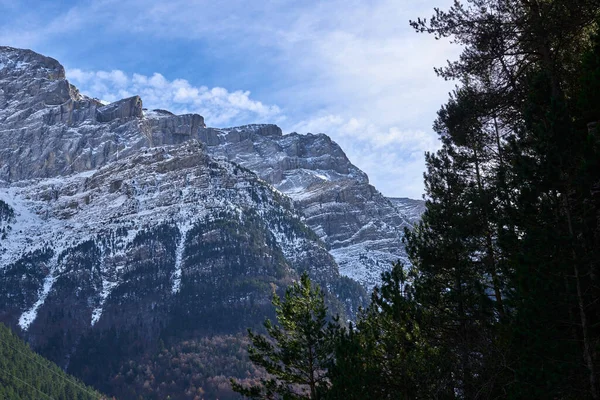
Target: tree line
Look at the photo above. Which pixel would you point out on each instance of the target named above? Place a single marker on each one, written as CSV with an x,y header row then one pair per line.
x,y
502,298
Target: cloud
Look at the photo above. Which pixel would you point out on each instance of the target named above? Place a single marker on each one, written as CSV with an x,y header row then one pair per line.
x,y
377,135
393,157
218,105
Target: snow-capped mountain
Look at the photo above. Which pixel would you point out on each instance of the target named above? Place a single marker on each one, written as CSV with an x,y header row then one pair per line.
x,y
120,226
362,229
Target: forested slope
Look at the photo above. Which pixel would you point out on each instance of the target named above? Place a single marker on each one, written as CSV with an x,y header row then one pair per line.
x,y
27,375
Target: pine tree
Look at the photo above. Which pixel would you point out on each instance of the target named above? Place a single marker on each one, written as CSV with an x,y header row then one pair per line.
x,y
25,374
298,349
512,208
387,355
454,283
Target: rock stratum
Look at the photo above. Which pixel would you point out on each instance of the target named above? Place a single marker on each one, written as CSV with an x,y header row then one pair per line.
x,y
361,228
123,230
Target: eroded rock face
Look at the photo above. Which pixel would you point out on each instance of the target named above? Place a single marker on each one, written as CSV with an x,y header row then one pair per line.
x,y
167,129
362,229
49,129
117,226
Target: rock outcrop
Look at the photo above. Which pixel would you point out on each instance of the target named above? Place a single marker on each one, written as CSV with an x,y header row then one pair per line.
x,y
120,226
122,109
362,229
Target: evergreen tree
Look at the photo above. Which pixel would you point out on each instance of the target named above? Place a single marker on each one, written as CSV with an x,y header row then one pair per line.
x,y
453,284
507,251
298,349
387,355
27,375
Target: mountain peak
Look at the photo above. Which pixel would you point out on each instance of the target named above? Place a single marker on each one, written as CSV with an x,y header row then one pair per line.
x,y
120,222
260,129
22,62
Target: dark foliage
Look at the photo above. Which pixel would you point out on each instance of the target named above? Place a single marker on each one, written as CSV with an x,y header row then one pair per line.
x,y
502,300
26,375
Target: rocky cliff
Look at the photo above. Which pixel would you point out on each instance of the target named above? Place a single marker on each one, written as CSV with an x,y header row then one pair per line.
x,y
361,228
123,228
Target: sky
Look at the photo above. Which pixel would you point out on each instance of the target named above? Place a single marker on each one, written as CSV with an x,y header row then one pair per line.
x,y
354,70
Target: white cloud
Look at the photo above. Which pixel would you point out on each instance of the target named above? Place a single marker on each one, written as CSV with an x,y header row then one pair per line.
x,y
218,105
377,135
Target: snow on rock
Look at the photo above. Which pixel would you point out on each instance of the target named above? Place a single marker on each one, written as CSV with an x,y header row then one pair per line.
x,y
107,287
103,176
30,315
168,185
411,209
119,220
362,228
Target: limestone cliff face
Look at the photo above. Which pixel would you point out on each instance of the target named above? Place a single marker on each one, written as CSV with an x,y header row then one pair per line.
x,y
117,223
362,229
121,225
49,129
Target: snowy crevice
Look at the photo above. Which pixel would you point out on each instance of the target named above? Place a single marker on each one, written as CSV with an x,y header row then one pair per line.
x,y
30,315
107,288
184,227
110,271
176,276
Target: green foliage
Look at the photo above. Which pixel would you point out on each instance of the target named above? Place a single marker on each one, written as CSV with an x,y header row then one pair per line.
x,y
298,350
387,355
26,375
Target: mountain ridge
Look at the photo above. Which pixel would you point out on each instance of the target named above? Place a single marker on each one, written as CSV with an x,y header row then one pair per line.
x,y
123,227
362,229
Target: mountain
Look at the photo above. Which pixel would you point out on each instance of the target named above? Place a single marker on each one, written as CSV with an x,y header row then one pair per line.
x,y
26,375
410,209
361,228
129,236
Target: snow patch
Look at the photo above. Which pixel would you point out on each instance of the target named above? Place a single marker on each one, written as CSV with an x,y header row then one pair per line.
x,y
21,65
184,228
107,288
30,315
176,276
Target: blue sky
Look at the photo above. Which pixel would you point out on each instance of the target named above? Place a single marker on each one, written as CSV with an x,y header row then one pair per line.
x,y
354,70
